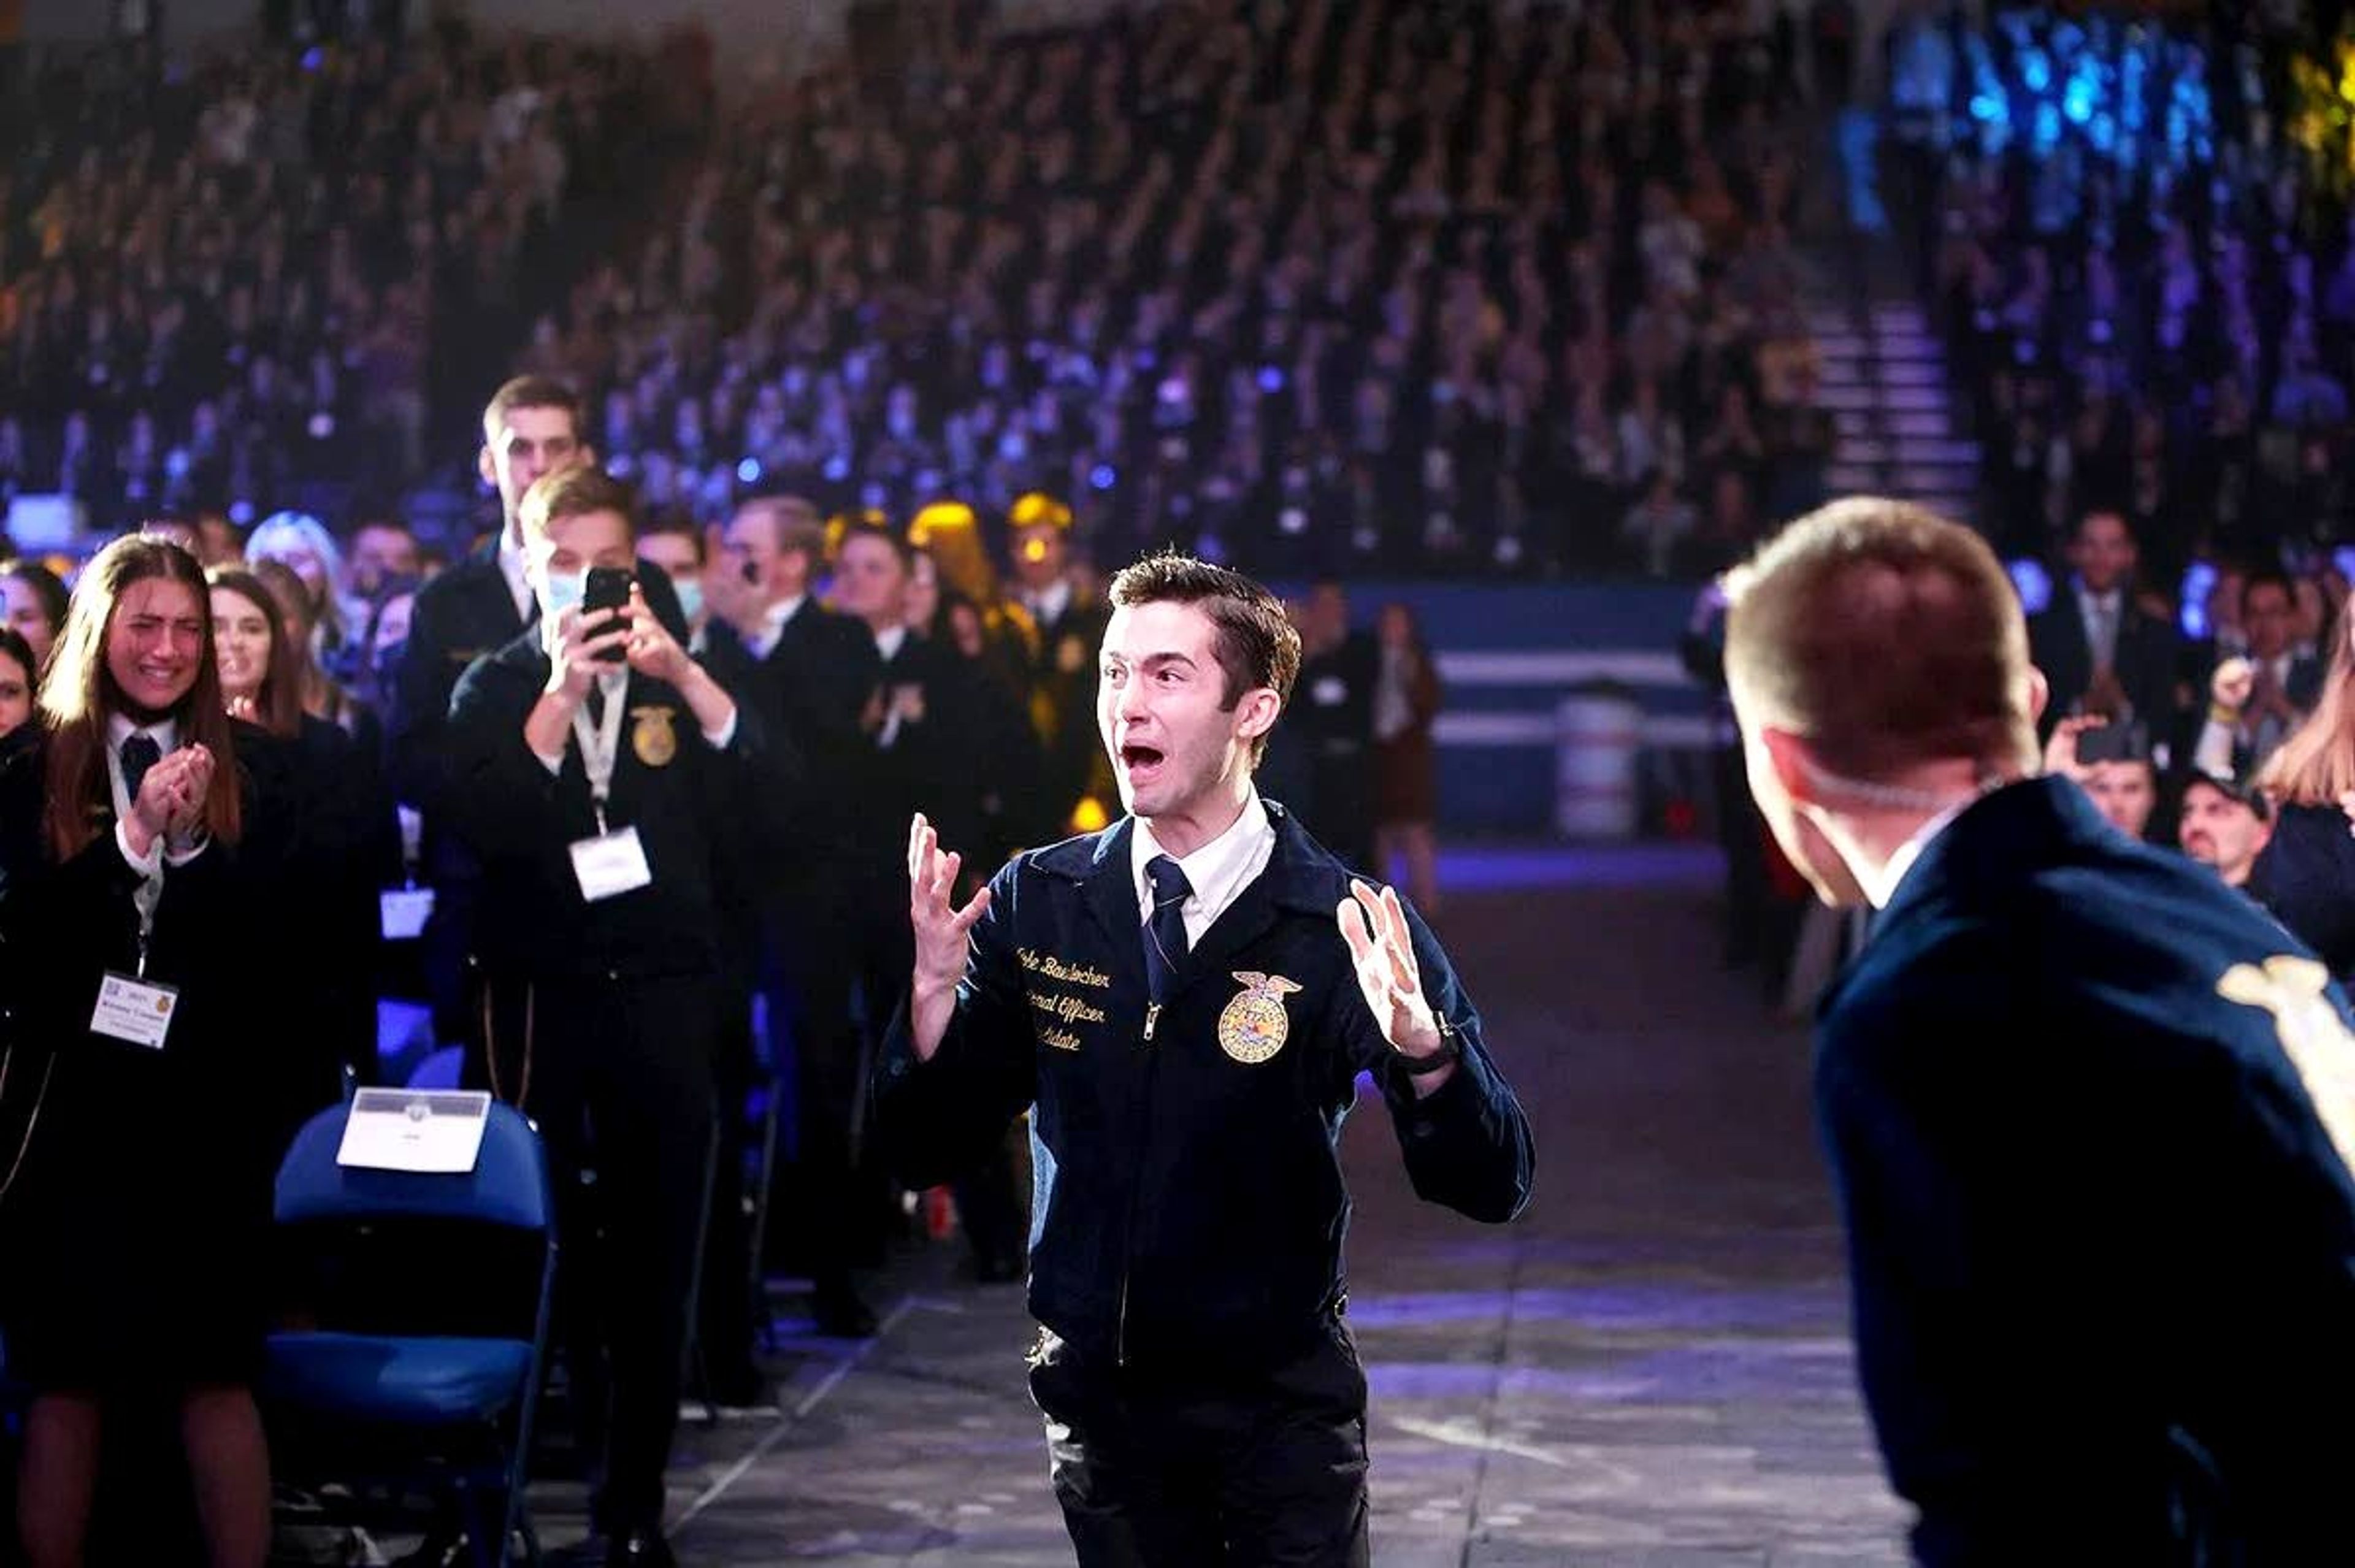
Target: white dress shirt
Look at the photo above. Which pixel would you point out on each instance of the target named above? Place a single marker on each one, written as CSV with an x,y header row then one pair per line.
x,y
1047,605
1218,872
518,588
772,625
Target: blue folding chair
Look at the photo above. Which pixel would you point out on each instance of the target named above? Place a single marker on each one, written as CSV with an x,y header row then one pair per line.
x,y
446,1414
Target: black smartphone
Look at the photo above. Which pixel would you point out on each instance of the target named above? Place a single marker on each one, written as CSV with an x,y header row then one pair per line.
x,y
608,588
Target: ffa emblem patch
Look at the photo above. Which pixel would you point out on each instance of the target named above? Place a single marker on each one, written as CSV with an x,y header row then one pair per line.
x,y
2313,1036
652,736
1254,1025
1070,655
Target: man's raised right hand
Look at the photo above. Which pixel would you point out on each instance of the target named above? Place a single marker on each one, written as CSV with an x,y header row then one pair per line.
x,y
942,930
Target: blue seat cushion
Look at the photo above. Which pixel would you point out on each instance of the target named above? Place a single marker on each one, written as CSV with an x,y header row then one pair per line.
x,y
409,1382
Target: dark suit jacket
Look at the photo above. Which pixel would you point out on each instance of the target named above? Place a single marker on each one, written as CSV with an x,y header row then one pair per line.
x,y
811,690
2102,1246
1062,660
687,801
460,615
2306,877
2148,656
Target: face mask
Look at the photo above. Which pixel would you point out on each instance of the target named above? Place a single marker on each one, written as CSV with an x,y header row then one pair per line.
x,y
690,597
565,590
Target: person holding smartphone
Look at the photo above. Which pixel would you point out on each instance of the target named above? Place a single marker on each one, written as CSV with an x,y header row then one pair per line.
x,y
601,775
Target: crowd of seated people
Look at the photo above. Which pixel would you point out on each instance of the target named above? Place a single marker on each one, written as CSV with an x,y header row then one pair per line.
x,y
2146,287
258,277
1316,287
1322,286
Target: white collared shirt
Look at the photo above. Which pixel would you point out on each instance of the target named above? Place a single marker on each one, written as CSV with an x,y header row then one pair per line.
x,y
1892,876
1047,605
518,586
772,625
1218,872
889,641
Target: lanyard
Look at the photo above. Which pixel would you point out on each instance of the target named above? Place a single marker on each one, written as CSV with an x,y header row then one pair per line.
x,y
150,892
601,746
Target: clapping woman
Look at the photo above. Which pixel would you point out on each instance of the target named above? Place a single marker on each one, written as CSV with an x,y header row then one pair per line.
x,y
134,1179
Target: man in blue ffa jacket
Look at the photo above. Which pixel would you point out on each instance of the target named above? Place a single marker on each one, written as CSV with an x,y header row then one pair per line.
x,y
602,778
1172,998
2088,1108
531,427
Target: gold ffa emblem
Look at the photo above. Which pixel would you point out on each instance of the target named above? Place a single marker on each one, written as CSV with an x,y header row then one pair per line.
x,y
653,737
1254,1025
2313,1036
1070,655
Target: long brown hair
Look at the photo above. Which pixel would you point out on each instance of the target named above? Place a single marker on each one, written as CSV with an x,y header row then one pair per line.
x,y
278,706
2316,764
77,692
316,691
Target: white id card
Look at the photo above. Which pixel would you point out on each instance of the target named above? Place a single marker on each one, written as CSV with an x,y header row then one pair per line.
x,y
404,912
610,863
133,1010
437,1133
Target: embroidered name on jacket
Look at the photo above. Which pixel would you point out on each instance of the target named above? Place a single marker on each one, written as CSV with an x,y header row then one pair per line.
x,y
1054,968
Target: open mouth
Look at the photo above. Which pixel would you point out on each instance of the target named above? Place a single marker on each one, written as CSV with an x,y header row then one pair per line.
x,y
1141,760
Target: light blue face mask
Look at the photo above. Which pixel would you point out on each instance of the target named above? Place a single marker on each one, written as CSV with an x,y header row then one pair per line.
x,y
690,597
565,590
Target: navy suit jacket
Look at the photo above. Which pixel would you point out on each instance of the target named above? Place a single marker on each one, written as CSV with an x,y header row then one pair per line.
x,y
2102,1245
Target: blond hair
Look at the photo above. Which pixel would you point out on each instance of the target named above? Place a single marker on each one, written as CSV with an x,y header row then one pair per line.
x,y
2316,764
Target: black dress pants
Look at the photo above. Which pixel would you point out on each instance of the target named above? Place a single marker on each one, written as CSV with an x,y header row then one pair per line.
x,y
620,1084
1263,1469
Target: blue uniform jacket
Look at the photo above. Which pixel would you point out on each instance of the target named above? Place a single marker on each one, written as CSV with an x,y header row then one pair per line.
x,y
2103,1243
1188,1208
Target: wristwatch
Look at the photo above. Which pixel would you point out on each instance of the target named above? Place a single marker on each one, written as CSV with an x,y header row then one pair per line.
x,y
1451,1048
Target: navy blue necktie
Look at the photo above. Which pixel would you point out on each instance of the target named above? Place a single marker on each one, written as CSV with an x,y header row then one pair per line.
x,y
1165,933
140,752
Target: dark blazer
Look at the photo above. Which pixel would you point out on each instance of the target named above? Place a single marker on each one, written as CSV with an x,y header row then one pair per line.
x,y
2102,1246
140,1163
2149,658
458,616
1061,661
1192,1205
687,800
811,690
2306,877
937,761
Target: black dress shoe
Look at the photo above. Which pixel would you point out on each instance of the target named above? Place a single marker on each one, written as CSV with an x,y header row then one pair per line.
x,y
639,1549
840,1315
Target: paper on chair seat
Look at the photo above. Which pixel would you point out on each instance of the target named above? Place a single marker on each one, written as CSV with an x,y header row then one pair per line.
x,y
434,1132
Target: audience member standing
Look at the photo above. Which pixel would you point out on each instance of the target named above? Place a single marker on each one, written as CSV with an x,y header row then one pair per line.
x,y
1406,774
2306,874
139,1151
602,796
2099,652
1062,624
1339,669
808,672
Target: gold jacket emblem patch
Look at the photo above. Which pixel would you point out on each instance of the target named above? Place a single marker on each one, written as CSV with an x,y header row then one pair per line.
x,y
1254,1025
2311,1033
653,737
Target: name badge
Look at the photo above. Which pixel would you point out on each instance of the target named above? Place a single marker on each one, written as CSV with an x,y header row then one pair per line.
x,y
133,1010
404,912
435,1134
610,863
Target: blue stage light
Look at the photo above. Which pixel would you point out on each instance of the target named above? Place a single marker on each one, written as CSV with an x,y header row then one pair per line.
x,y
748,472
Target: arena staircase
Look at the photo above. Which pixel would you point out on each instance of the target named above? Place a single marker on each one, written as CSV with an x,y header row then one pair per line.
x,y
1883,378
